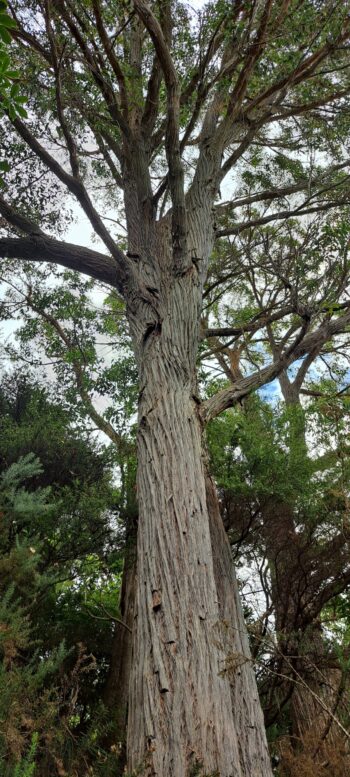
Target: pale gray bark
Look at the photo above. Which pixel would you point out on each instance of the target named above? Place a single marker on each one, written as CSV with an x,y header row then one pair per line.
x,y
185,709
236,656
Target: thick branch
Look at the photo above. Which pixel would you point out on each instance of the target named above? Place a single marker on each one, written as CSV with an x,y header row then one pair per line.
x,y
42,248
242,388
76,188
151,106
172,142
303,369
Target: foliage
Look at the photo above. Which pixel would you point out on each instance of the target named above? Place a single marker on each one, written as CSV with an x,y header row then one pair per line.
x,y
11,101
58,573
283,473
26,767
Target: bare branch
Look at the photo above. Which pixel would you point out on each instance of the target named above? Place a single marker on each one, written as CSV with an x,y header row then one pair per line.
x,y
42,248
303,345
279,216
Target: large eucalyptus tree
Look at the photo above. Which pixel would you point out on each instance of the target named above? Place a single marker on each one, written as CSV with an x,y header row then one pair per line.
x,y
158,105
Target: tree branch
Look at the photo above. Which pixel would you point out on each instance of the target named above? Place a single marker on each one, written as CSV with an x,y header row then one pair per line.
x,y
76,188
101,423
19,221
283,191
103,85
172,142
259,321
111,57
242,388
42,248
279,216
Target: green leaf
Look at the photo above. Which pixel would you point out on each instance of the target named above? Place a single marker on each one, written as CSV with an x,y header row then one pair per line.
x,y
6,21
6,37
4,62
21,111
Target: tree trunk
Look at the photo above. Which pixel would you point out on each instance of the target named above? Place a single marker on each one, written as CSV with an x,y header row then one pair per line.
x,y
116,690
181,720
313,683
317,697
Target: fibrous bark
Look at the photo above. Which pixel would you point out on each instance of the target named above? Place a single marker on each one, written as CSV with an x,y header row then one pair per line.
x,y
186,711
237,660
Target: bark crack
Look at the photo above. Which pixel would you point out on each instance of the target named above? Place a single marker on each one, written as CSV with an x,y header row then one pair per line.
x,y
152,328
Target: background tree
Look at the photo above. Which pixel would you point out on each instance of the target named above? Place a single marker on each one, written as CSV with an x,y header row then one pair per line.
x,y
61,560
278,514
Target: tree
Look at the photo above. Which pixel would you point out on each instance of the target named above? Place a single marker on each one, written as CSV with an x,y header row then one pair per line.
x,y
60,576
10,98
285,512
163,106
281,512
60,325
